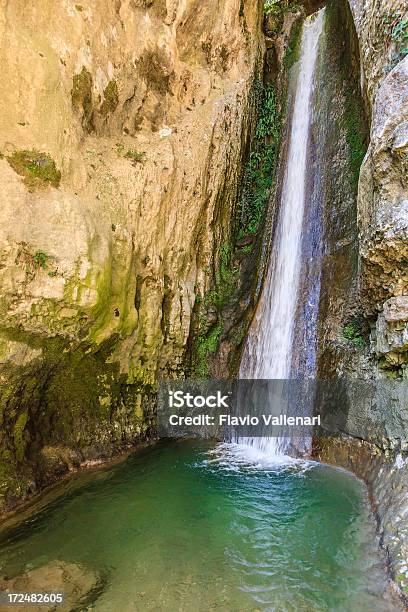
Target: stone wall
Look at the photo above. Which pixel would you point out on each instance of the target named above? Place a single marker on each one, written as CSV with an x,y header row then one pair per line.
x,y
383,186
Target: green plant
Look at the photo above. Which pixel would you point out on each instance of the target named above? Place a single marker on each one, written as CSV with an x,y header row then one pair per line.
x,y
213,303
135,156
395,30
352,332
33,261
399,36
206,345
272,6
41,260
280,6
292,53
260,168
38,169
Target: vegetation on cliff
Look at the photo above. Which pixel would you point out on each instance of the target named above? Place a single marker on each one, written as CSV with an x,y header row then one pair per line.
x,y
258,179
259,172
38,169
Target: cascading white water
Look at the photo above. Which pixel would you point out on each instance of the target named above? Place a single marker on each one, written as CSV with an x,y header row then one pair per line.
x,y
268,349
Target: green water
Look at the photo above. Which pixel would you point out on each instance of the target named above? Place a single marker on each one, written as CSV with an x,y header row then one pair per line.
x,y
181,526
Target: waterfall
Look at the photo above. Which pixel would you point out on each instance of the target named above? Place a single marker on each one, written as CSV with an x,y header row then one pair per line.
x,y
269,345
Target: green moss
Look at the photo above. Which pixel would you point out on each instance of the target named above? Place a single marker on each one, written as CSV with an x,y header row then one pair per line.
x,y
73,395
353,120
19,436
292,53
212,306
114,311
81,97
154,67
140,376
207,344
135,156
38,169
226,279
111,98
101,312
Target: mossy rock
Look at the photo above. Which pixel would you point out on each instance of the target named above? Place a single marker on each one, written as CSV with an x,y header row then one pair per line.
x,y
111,99
37,168
81,96
292,54
155,69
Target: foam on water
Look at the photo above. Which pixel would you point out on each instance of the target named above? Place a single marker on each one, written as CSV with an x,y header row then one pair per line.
x,y
237,455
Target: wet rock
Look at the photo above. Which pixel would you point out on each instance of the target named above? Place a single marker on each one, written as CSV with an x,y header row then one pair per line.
x,y
55,461
387,477
75,582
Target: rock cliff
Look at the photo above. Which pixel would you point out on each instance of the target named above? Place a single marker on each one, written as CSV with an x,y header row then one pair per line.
x,y
122,130
364,317
382,200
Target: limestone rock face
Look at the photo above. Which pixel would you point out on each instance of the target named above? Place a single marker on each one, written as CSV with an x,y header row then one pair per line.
x,y
383,186
391,332
143,108
396,309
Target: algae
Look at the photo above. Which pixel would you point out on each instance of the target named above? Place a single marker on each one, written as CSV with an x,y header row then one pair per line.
x,y
81,96
111,98
38,169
